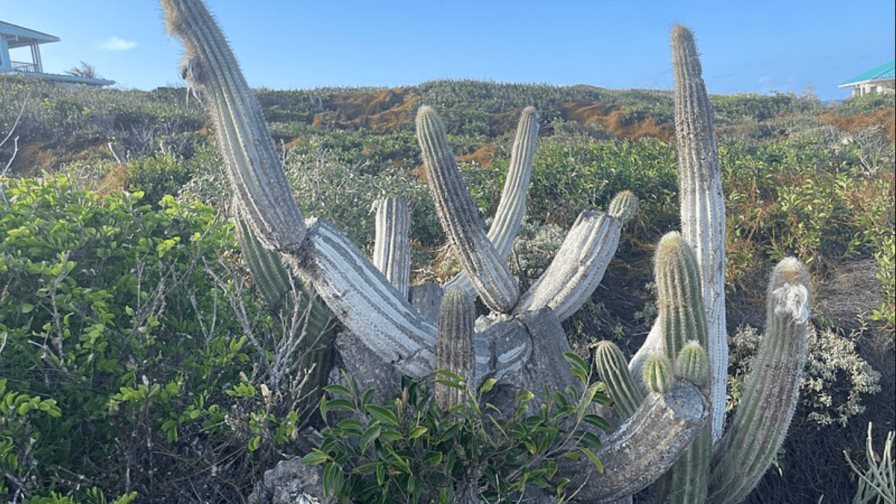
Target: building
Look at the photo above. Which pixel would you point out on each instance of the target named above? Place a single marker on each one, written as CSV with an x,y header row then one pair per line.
x,y
877,80
14,36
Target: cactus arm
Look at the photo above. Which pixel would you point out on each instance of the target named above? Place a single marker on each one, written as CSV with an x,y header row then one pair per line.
x,y
702,206
510,211
644,447
682,320
250,158
391,250
487,269
455,346
613,370
771,389
582,260
365,302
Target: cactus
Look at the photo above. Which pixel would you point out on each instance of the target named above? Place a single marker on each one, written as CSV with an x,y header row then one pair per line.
x,y
521,342
657,374
391,250
509,215
455,351
771,389
692,364
613,369
624,206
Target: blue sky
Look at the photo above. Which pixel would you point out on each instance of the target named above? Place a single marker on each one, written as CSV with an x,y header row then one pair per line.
x,y
746,46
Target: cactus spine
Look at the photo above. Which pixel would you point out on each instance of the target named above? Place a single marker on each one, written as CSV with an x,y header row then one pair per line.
x,y
391,250
657,374
455,350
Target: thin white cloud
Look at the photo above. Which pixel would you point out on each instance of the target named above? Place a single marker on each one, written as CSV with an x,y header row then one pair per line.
x,y
117,44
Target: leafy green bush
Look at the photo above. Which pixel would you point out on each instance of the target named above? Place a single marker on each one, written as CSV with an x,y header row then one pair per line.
x,y
412,451
122,346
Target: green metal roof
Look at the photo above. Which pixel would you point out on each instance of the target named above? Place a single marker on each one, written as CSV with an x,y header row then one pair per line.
x,y
883,72
16,35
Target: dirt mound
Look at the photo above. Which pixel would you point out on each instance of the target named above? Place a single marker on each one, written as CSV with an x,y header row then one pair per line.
x,y
883,117
617,121
482,156
381,111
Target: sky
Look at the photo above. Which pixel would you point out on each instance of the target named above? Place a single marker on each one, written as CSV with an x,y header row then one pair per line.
x,y
746,46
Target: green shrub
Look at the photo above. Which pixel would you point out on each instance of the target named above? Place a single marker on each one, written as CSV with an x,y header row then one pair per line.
x,y
122,344
410,450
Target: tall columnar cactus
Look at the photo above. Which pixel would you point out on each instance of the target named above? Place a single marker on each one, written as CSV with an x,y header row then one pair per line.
x,y
702,205
682,321
521,342
771,389
455,351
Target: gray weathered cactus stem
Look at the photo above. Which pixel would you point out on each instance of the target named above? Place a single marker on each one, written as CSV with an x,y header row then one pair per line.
x,y
521,343
391,249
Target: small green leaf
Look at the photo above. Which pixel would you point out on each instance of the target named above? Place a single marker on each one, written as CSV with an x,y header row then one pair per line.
x,y
487,386
598,465
382,414
417,432
315,457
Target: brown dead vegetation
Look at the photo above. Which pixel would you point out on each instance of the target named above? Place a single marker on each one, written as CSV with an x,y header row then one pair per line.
x,y
382,111
883,117
482,156
617,121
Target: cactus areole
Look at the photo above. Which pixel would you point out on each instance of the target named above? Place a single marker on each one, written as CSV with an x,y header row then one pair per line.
x,y
521,343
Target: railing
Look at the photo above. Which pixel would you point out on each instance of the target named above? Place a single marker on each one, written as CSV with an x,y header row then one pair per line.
x,y
21,66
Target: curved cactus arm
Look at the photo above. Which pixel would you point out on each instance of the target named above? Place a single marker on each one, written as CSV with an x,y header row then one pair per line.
x,y
250,158
578,267
613,370
702,205
512,206
365,302
455,346
391,250
582,260
771,389
487,269
653,345
647,444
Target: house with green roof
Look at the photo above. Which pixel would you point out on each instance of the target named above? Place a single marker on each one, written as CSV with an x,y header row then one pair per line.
x,y
18,37
877,80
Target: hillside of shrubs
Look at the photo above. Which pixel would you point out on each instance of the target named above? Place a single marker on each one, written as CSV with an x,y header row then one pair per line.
x,y
139,362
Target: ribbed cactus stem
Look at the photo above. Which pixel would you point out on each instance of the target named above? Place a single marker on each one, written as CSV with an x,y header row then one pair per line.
x,y
455,348
250,158
487,269
578,267
365,302
391,249
657,375
612,368
682,317
624,206
771,390
692,364
682,321
702,205
512,205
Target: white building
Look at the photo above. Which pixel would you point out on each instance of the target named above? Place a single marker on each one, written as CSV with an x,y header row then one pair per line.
x,y
877,80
